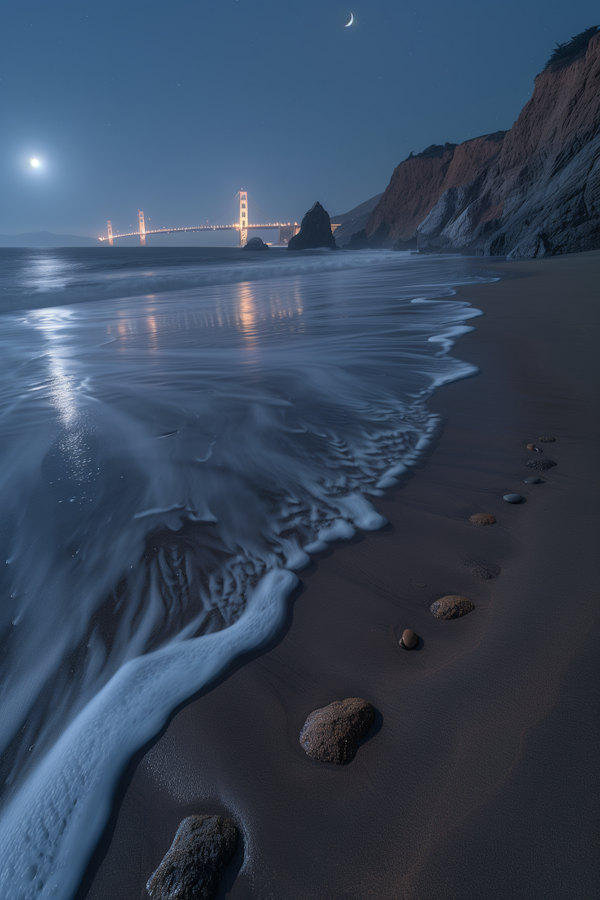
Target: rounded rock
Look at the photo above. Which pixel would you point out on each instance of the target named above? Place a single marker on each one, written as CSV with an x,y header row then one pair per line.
x,y
332,733
513,498
409,639
452,606
541,464
483,519
194,866
533,479
534,448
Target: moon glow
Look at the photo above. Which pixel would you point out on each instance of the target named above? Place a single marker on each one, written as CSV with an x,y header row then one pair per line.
x,y
350,22
34,163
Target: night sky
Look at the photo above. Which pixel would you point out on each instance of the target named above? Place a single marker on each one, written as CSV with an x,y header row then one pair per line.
x,y
173,107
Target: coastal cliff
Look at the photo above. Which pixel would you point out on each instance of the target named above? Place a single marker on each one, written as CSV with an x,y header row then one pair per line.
x,y
419,182
530,192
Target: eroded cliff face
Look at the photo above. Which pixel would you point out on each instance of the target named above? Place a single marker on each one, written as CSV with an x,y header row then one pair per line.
x,y
419,182
529,192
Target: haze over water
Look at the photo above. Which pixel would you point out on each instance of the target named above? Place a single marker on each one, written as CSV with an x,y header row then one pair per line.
x,y
180,431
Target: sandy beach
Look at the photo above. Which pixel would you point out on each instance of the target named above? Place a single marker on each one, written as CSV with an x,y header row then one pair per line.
x,y
479,777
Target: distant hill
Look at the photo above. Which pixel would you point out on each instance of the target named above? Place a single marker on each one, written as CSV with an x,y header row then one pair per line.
x,y
355,220
47,239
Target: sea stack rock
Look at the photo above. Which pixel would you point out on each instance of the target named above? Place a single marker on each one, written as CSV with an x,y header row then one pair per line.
x,y
256,243
196,861
453,606
315,231
332,733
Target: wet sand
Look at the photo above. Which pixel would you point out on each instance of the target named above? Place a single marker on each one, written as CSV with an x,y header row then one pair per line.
x,y
479,778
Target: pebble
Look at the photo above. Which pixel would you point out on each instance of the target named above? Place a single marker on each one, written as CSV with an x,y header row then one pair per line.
x,y
547,440
409,639
541,464
533,447
453,606
483,519
533,479
513,498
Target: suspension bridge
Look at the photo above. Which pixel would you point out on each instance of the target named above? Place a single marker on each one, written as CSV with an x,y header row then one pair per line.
x,y
242,224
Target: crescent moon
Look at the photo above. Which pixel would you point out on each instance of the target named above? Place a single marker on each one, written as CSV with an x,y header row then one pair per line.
x,y
350,22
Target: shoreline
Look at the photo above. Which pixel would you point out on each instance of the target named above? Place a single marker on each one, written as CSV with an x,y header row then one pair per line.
x,y
475,779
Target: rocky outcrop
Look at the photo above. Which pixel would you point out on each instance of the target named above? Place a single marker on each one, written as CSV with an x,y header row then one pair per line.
x,y
256,243
332,733
196,861
315,231
530,192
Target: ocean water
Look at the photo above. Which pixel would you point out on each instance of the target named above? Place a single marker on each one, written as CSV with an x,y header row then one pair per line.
x,y
181,431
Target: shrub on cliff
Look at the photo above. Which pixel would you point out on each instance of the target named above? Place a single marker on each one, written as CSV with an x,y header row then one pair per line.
x,y
566,53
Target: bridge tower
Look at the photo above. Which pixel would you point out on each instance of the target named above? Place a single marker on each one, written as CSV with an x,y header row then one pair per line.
x,y
243,195
109,229
142,228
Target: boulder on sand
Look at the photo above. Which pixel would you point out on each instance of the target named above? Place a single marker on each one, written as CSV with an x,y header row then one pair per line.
x,y
451,607
315,231
332,733
483,519
541,464
194,865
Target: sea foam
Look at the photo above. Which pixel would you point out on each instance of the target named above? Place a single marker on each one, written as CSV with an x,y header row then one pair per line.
x,y
168,461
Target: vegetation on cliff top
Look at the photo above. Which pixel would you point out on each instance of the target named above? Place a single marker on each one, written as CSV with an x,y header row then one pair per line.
x,y
566,53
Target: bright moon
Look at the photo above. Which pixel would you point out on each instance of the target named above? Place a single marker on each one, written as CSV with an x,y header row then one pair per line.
x,y
34,162
350,22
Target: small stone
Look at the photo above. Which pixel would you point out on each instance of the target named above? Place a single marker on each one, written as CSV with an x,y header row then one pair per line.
x,y
546,440
332,733
534,448
482,569
513,498
541,464
409,639
533,479
453,606
483,519
196,861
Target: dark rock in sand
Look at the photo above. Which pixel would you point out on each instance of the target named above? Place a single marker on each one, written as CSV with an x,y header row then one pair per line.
x,y
194,865
533,479
482,569
409,639
315,231
483,519
541,464
452,606
331,734
513,498
534,448
546,440
256,243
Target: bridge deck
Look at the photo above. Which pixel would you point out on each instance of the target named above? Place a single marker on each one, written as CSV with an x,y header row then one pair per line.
x,y
234,227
